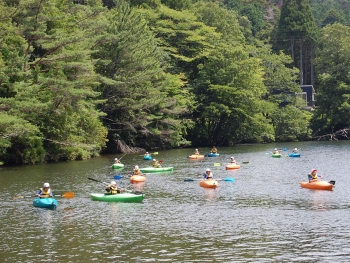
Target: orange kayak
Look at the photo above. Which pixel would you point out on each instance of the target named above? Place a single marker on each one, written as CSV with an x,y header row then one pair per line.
x,y
209,184
137,178
319,185
232,166
195,156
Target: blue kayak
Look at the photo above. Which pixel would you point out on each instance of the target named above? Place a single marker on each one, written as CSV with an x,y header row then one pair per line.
x,y
49,203
147,157
294,155
213,154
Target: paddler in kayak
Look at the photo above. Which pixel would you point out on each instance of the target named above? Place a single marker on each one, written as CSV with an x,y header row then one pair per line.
x,y
313,176
137,171
156,164
214,150
112,188
208,175
45,192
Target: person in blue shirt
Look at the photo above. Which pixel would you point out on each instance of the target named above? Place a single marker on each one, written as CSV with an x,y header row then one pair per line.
x,y
208,175
45,192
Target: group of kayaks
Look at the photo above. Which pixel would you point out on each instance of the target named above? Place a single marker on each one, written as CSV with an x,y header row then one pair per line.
x,y
312,184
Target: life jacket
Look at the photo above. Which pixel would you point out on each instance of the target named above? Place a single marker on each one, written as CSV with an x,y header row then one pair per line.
x,y
155,164
206,176
137,172
45,193
214,150
312,176
112,190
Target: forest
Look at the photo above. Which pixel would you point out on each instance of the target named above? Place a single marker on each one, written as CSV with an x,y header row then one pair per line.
x,y
80,78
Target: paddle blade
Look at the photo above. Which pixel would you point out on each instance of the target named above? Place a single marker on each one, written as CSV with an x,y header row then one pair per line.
x,y
332,182
68,195
229,179
188,180
155,153
217,164
118,177
245,162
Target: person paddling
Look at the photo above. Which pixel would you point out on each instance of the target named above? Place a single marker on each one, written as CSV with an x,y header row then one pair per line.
x,y
112,188
156,164
45,192
313,176
208,175
137,171
214,150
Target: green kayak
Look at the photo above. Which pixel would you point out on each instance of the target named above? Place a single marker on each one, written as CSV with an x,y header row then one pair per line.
x,y
118,166
276,155
156,170
122,197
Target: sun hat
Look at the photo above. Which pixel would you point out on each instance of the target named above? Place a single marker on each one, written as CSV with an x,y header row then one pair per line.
x,y
154,160
232,157
113,183
314,170
208,170
46,185
136,167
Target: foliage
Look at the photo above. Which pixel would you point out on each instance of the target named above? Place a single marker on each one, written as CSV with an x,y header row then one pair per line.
x,y
55,93
143,102
333,94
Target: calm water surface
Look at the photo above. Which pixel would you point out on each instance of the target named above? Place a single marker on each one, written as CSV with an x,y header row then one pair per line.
x,y
263,216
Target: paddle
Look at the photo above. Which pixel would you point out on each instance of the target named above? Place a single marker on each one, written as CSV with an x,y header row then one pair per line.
x,y
65,195
332,182
122,156
126,190
118,177
228,179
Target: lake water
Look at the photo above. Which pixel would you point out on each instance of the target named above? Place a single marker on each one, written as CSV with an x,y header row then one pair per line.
x,y
263,216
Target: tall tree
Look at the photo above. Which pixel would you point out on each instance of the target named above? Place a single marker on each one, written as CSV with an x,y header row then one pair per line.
x,y
55,94
297,27
143,102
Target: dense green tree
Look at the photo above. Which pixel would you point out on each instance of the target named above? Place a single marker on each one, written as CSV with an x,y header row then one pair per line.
x,y
333,89
143,102
55,94
297,32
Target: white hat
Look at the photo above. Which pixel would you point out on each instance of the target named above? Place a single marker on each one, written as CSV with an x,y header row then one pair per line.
x,y
46,185
295,149
154,160
232,157
196,149
275,149
208,170
136,167
113,183
116,159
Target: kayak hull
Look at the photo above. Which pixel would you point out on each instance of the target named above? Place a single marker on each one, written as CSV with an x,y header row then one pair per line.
x,y
232,166
276,155
156,170
118,166
49,203
209,184
294,155
122,197
213,154
195,156
318,185
147,158
137,178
